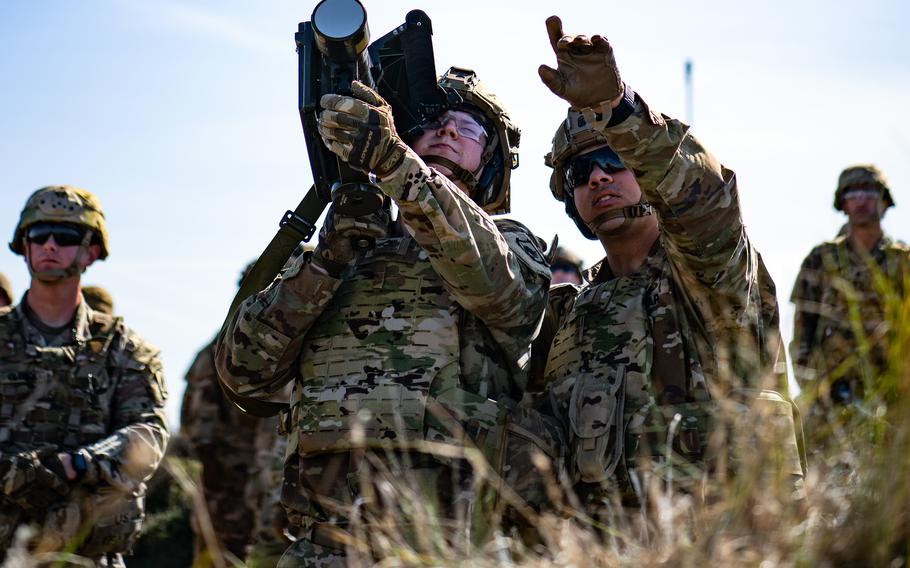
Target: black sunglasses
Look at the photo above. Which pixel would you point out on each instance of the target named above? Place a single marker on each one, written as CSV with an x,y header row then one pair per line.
x,y
64,235
579,168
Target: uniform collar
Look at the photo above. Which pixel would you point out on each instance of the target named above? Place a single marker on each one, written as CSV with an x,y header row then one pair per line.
x,y
601,271
37,334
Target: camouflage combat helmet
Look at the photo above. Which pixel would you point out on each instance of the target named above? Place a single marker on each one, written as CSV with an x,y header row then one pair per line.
x,y
573,137
500,156
62,204
566,257
861,175
98,299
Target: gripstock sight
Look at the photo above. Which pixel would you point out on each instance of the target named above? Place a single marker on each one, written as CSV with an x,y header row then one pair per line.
x,y
333,49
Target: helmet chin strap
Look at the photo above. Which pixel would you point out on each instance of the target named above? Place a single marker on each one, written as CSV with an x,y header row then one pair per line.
x,y
458,172
57,274
640,209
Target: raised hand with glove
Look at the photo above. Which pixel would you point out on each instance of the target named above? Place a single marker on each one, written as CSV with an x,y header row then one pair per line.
x,y
586,74
361,130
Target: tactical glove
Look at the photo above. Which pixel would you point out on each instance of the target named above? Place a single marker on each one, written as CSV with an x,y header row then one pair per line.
x,y
31,485
340,235
361,130
586,73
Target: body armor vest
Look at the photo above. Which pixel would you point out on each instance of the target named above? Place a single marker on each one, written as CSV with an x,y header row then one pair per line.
x,y
56,396
386,344
622,346
62,398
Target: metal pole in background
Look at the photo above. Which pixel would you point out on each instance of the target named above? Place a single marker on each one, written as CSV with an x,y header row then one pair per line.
x,y
690,102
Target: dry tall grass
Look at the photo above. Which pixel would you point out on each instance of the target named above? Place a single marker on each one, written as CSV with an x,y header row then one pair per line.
x,y
853,510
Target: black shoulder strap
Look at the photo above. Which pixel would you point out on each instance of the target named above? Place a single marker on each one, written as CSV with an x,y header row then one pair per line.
x,y
295,226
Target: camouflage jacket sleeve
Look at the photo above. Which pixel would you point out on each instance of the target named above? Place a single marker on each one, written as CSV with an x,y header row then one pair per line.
x,y
256,352
806,298
133,451
696,198
494,269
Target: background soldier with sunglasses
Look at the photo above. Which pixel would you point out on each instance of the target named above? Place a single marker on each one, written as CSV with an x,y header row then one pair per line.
x,y
836,355
681,310
425,337
82,422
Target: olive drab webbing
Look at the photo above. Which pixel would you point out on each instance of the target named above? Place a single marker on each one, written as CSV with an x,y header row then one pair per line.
x,y
295,227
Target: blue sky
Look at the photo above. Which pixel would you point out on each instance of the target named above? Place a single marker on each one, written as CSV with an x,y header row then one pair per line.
x,y
181,116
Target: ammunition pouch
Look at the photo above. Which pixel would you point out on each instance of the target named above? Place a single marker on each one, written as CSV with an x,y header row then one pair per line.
x,y
114,519
596,419
747,421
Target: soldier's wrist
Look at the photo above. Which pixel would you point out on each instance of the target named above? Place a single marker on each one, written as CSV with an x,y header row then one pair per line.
x,y
83,464
625,108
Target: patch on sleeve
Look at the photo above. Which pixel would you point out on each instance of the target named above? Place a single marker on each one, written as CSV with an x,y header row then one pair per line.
x,y
527,247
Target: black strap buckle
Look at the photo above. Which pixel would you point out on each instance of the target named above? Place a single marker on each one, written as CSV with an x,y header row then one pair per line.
x,y
297,224
642,209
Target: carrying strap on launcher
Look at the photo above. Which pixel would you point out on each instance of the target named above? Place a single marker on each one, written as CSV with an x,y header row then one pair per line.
x,y
295,226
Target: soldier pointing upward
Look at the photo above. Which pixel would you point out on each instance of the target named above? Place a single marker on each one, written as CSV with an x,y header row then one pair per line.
x,y
680,311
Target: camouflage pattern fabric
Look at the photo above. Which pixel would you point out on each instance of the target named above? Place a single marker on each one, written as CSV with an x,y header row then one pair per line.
x,y
840,332
430,328
699,318
221,437
263,495
97,390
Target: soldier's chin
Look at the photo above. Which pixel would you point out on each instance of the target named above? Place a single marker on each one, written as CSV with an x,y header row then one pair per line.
x,y
611,227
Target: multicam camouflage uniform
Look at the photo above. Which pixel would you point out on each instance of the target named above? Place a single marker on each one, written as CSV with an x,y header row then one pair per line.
x,y
221,437
697,319
430,328
94,389
840,333
263,495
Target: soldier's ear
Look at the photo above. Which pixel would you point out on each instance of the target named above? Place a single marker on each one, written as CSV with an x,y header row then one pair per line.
x,y
92,252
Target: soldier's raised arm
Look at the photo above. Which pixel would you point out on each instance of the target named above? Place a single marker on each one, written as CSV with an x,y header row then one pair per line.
x,y
694,195
493,268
